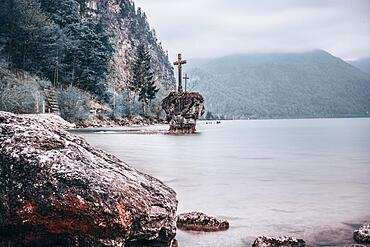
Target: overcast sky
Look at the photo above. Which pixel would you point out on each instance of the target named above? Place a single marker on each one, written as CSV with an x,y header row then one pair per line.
x,y
212,28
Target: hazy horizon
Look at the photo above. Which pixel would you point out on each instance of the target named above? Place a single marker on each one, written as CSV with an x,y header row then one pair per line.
x,y
217,28
269,53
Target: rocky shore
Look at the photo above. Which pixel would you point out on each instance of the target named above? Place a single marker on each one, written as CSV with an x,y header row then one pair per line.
x,y
57,190
103,122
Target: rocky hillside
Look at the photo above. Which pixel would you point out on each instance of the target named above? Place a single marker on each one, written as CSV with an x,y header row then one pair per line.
x,y
90,44
87,51
312,84
130,27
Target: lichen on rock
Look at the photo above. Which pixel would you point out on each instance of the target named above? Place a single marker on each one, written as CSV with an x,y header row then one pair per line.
x,y
57,190
183,109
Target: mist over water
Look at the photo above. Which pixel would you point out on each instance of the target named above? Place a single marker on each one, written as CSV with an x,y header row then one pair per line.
x,y
304,178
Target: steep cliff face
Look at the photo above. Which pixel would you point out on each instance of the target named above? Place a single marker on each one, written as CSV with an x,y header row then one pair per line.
x,y
129,27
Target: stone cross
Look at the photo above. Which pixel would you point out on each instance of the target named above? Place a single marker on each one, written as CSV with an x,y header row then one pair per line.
x,y
179,63
186,78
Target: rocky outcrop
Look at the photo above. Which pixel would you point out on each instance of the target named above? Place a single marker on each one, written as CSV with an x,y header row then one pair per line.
x,y
196,221
57,190
183,109
362,235
263,241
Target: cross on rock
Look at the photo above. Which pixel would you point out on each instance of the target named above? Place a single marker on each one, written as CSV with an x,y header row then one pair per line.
x,y
186,78
179,63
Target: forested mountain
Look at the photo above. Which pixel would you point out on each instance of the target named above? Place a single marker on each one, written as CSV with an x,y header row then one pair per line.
x,y
87,44
362,64
312,84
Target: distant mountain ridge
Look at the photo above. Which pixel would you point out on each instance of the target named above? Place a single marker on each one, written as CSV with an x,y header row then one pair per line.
x,y
303,85
362,64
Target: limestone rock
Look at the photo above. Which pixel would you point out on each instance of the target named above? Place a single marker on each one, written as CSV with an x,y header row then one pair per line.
x,y
362,235
196,221
183,109
285,241
57,190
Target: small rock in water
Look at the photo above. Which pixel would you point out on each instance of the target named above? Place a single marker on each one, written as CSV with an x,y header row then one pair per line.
x,y
196,221
362,235
263,241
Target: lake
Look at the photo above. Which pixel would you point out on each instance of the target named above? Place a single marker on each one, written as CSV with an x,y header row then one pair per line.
x,y
303,178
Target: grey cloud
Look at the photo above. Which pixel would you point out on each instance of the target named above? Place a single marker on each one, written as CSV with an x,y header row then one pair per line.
x,y
208,28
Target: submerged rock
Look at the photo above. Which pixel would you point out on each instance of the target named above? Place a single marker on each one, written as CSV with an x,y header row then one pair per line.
x,y
195,221
362,235
57,190
183,109
263,241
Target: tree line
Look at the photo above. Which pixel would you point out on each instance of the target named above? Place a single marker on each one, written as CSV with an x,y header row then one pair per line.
x,y
60,41
53,40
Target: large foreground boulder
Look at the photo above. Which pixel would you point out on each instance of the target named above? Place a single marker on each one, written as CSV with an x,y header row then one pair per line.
x,y
183,109
278,242
362,235
196,221
57,190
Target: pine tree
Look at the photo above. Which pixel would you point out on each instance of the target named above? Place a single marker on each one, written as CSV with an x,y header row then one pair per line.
x,y
62,12
142,81
83,59
97,52
22,27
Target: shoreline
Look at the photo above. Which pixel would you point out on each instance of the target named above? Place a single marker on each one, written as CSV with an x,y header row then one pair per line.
x,y
325,235
139,121
104,122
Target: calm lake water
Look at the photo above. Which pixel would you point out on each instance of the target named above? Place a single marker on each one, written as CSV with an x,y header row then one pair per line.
x,y
305,178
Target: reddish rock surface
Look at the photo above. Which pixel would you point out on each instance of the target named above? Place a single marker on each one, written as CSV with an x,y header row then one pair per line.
x,y
183,109
362,235
196,221
57,190
278,242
